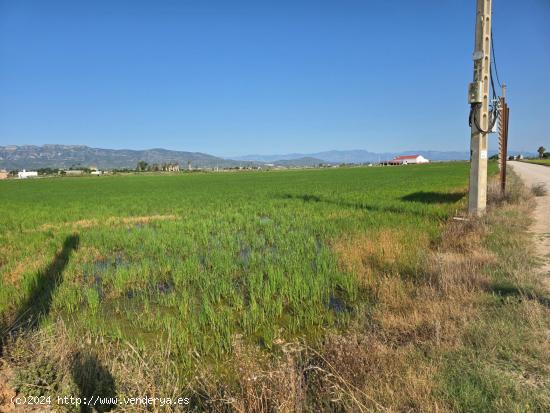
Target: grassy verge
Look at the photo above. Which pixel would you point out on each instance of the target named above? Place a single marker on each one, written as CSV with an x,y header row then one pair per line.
x,y
503,363
545,162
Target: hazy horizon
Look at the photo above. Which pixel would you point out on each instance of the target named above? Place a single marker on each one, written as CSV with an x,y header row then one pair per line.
x,y
274,153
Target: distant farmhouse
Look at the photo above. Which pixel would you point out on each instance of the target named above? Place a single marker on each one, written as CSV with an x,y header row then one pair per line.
x,y
408,160
171,167
515,157
4,174
27,174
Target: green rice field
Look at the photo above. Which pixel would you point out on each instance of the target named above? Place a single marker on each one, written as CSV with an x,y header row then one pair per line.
x,y
192,260
545,162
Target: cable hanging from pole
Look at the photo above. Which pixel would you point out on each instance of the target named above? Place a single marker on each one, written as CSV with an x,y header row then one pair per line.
x,y
473,119
494,59
495,97
493,113
476,107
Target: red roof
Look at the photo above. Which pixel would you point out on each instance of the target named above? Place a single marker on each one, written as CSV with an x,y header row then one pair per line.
x,y
398,158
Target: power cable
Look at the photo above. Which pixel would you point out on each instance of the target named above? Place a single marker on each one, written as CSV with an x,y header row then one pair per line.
x,y
492,83
475,108
494,59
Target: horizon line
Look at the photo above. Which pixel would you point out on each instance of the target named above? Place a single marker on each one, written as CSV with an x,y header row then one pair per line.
x,y
254,154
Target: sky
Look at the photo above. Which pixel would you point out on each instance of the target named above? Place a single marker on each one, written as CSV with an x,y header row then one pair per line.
x,y
256,77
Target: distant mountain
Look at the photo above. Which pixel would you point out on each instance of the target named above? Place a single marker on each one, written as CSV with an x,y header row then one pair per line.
x,y
66,156
362,156
356,156
270,158
306,161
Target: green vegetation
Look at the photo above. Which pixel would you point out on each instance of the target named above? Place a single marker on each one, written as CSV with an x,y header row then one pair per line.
x,y
545,161
340,289
206,257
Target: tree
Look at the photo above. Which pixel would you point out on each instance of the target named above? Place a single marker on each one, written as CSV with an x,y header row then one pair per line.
x,y
142,166
541,151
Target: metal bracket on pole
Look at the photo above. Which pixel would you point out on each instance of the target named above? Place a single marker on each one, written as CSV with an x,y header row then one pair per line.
x,y
503,139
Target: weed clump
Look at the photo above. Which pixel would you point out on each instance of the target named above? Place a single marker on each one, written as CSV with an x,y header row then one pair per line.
x,y
539,189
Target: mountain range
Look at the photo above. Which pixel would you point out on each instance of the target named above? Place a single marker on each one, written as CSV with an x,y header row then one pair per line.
x,y
67,156
363,156
356,156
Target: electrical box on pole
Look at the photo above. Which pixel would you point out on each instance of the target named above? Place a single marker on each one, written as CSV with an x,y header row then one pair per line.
x,y
478,97
475,93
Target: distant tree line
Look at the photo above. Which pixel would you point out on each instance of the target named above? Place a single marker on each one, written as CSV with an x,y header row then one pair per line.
x,y
143,166
54,171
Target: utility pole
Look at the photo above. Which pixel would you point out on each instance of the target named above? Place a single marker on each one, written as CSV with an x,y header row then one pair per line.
x,y
479,99
503,138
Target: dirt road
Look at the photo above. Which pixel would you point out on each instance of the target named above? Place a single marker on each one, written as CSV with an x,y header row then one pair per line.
x,y
531,175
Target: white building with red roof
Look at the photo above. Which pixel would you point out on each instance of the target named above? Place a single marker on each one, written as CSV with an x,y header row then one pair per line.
x,y
408,159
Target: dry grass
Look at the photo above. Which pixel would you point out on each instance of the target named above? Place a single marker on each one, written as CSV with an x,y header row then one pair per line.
x,y
6,392
386,361
516,192
51,361
386,252
111,221
29,264
261,383
539,189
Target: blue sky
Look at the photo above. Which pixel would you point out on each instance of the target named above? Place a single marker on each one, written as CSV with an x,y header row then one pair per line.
x,y
238,77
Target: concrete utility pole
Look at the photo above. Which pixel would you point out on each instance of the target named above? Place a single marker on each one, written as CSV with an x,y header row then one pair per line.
x,y
479,99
